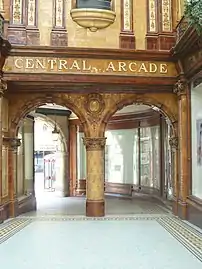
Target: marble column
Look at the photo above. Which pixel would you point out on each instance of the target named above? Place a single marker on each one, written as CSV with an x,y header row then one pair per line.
x,y
95,204
29,155
181,89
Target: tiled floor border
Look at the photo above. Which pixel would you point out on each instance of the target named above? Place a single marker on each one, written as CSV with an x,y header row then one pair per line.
x,y
185,234
7,230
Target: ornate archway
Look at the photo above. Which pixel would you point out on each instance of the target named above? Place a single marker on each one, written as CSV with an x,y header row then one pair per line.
x,y
19,108
165,103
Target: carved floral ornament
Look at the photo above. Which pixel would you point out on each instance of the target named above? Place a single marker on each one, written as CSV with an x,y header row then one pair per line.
x,y
13,143
94,144
180,87
94,105
173,141
3,86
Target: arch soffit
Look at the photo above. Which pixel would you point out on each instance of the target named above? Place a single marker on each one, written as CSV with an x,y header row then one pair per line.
x,y
19,108
167,105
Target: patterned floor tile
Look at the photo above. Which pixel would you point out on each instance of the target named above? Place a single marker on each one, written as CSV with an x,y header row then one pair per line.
x,y
123,242
185,234
13,226
147,228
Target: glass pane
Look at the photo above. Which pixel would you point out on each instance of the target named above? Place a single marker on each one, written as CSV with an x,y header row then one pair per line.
x,y
145,157
113,157
168,163
121,156
155,136
136,158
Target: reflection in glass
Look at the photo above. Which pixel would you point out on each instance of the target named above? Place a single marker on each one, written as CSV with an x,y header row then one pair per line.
x,y
122,157
168,163
149,157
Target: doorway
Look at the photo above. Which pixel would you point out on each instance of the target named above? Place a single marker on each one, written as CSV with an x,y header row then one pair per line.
x,y
42,158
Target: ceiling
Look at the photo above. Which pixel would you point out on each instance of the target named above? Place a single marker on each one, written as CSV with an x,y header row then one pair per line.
x,y
131,109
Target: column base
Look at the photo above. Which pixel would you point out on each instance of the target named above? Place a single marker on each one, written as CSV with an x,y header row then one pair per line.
x,y
1,214
182,210
95,208
175,207
13,209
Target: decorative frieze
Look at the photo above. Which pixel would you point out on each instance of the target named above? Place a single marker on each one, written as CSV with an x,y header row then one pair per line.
x,y
59,32
127,16
33,36
59,13
17,11
159,27
127,39
16,29
152,16
152,42
166,16
31,13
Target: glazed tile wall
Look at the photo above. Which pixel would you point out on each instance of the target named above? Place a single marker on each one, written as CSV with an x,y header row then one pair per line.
x,y
105,38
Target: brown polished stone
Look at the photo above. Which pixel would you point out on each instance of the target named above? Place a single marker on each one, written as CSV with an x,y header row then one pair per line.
x,y
182,210
13,208
95,208
175,207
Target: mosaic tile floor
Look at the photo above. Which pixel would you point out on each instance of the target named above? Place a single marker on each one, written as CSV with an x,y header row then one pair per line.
x,y
148,237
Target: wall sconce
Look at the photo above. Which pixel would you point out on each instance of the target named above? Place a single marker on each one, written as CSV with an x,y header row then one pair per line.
x,y
55,133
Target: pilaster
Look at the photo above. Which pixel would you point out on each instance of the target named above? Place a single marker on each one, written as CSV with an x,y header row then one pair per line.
x,y
2,90
32,31
95,204
181,89
12,144
59,37
17,30
127,37
159,25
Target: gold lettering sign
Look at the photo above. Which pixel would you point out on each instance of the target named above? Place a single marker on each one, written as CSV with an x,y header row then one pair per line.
x,y
88,66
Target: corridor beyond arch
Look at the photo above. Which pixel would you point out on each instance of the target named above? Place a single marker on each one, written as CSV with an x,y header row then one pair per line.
x,y
166,104
19,108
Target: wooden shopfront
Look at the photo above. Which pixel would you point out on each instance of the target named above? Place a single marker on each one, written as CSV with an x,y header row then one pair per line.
x,y
188,51
95,84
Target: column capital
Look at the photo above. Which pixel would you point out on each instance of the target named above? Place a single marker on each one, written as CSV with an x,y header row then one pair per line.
x,y
94,143
3,86
12,142
180,87
173,141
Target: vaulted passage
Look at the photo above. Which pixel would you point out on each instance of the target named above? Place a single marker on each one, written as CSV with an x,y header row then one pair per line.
x,y
52,161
